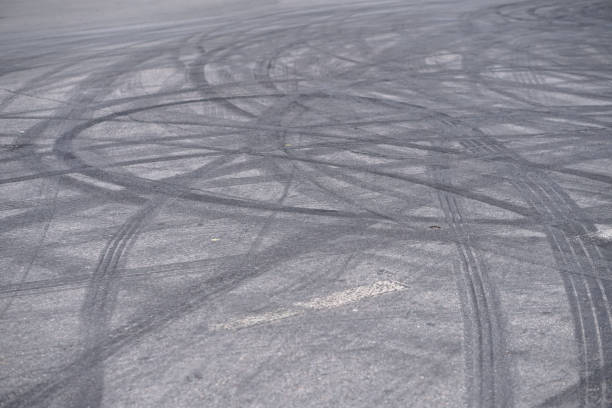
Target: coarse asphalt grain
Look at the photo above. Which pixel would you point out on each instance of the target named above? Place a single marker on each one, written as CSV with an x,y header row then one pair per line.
x,y
326,204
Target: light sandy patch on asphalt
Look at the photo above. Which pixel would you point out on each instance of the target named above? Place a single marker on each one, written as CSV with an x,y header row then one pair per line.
x,y
508,129
596,165
344,297
15,211
386,96
334,300
256,319
167,169
351,158
604,231
95,182
523,233
446,60
565,99
575,122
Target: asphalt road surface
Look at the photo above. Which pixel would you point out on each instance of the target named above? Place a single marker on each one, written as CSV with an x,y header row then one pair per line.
x,y
325,204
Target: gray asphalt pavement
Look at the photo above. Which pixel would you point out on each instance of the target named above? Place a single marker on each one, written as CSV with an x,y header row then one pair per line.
x,y
315,204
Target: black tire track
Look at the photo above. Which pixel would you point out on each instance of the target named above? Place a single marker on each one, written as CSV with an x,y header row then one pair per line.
x,y
331,75
489,381
588,294
584,267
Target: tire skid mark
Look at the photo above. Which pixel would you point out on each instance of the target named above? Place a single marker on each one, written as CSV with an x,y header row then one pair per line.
x,y
63,150
99,300
587,293
47,217
489,383
548,206
188,301
98,306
